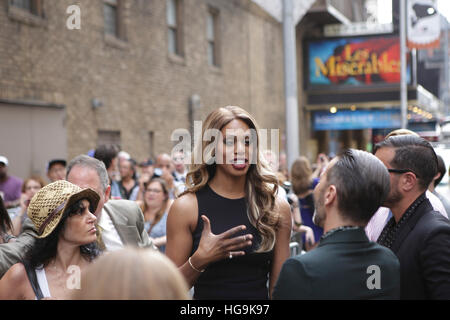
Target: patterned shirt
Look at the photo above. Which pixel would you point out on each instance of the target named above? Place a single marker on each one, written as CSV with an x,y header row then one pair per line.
x,y
390,231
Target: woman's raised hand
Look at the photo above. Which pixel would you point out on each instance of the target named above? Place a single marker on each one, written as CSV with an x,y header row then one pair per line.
x,y
222,246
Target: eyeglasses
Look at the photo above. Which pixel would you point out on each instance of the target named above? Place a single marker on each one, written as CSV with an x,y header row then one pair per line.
x,y
401,171
153,190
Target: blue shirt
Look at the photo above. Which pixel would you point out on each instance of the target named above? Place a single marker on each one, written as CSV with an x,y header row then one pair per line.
x,y
158,230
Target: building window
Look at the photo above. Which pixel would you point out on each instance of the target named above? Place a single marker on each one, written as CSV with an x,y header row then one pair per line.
x,y
174,24
113,15
24,4
212,35
151,151
31,6
108,137
110,13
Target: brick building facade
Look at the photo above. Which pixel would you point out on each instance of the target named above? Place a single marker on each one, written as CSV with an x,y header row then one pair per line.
x,y
129,87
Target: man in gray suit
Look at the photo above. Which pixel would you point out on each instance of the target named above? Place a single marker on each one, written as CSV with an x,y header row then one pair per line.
x,y
121,221
345,265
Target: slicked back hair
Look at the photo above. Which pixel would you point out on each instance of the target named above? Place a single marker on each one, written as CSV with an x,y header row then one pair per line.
x,y
413,153
362,184
441,169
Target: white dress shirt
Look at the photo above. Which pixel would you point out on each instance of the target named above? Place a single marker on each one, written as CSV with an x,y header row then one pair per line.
x,y
110,236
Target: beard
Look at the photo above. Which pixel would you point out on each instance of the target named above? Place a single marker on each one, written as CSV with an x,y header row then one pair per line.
x,y
319,210
393,197
318,219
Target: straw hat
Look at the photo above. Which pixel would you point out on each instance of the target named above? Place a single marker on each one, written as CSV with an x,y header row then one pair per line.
x,y
48,205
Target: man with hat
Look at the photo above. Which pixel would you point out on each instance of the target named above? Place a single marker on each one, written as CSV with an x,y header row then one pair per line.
x,y
10,186
56,170
146,173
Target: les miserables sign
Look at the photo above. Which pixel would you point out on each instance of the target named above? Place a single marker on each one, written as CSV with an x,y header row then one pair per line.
x,y
356,61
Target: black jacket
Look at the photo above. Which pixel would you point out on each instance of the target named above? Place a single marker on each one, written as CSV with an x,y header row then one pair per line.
x,y
340,268
422,246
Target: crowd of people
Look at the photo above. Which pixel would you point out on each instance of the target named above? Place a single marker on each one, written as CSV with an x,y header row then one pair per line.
x,y
105,226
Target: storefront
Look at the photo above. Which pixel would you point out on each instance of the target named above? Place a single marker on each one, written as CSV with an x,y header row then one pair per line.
x,y
352,92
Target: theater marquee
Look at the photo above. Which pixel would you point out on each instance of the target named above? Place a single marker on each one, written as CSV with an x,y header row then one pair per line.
x,y
354,62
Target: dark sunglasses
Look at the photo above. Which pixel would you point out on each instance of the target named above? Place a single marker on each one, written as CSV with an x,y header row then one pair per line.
x,y
402,171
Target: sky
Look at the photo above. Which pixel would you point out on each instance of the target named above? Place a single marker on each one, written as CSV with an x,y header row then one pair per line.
x,y
385,10
444,8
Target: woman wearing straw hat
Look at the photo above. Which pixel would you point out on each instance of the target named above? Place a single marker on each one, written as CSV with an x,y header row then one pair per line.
x,y
62,215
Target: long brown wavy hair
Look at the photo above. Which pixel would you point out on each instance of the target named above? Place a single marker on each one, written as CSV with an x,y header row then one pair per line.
x,y
261,184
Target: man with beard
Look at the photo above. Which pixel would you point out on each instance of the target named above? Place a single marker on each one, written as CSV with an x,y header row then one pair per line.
x,y
418,235
383,214
345,265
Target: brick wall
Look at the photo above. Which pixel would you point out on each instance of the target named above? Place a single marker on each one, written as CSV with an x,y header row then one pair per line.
x,y
141,86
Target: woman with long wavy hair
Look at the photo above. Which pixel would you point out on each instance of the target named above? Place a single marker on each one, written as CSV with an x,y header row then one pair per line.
x,y
229,232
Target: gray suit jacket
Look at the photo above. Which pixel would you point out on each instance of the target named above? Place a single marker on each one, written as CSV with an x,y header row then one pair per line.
x,y
126,216
128,220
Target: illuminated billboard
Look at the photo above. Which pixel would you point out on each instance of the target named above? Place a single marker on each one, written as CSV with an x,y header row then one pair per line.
x,y
354,62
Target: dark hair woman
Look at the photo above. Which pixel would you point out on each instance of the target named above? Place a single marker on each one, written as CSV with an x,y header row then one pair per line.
x,y
62,215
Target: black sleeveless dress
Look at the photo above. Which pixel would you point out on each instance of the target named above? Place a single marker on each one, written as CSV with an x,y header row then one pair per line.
x,y
244,277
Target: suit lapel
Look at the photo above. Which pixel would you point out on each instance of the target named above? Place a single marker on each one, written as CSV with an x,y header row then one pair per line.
x,y
127,233
410,224
402,234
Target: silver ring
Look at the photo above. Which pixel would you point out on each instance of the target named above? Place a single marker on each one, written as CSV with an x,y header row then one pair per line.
x,y
230,256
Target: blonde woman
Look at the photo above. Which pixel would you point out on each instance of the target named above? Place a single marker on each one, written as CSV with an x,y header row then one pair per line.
x,y
132,274
229,232
155,206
